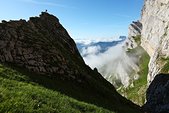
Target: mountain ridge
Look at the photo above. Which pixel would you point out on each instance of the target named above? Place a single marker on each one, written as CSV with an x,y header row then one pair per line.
x,y
103,45
43,50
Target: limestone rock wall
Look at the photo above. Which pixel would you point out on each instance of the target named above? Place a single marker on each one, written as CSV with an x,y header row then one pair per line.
x,y
134,30
155,33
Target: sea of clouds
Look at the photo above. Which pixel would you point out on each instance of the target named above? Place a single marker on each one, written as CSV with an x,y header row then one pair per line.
x,y
111,60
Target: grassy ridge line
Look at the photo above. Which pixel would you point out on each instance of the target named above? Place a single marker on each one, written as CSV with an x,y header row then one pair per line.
x,y
17,96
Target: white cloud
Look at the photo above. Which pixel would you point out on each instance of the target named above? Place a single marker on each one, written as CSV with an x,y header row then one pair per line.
x,y
98,60
114,64
91,50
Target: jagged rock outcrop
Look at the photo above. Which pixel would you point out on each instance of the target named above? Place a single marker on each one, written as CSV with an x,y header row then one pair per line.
x,y
158,95
155,21
43,50
134,30
34,45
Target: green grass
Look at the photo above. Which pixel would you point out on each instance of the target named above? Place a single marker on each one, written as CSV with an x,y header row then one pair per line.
x,y
18,95
165,68
137,39
106,98
138,92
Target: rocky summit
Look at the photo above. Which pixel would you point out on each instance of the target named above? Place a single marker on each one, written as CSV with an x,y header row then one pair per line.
x,y
39,45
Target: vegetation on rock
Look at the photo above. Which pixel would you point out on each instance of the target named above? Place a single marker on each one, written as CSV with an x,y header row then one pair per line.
x,y
137,39
165,67
137,90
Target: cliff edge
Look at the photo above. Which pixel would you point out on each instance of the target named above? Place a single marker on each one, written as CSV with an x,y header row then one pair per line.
x,y
154,40
155,34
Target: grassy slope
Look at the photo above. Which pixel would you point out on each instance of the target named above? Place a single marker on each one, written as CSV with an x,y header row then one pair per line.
x,y
18,94
137,93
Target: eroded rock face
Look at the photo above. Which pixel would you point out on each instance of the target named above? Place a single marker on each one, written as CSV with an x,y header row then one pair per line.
x,y
39,45
155,33
158,95
134,30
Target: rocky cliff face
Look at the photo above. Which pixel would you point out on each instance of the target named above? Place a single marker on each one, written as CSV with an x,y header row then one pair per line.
x,y
134,30
34,45
138,56
158,95
155,33
155,39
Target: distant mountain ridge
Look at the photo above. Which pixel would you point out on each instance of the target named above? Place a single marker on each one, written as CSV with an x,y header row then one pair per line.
x,y
104,45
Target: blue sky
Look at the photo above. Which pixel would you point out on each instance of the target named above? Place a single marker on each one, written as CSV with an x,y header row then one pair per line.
x,y
84,19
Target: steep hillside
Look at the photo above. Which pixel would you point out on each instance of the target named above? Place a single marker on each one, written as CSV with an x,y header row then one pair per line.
x,y
136,91
42,50
19,95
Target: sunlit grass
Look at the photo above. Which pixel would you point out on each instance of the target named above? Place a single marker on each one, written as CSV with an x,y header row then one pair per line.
x,y
17,96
